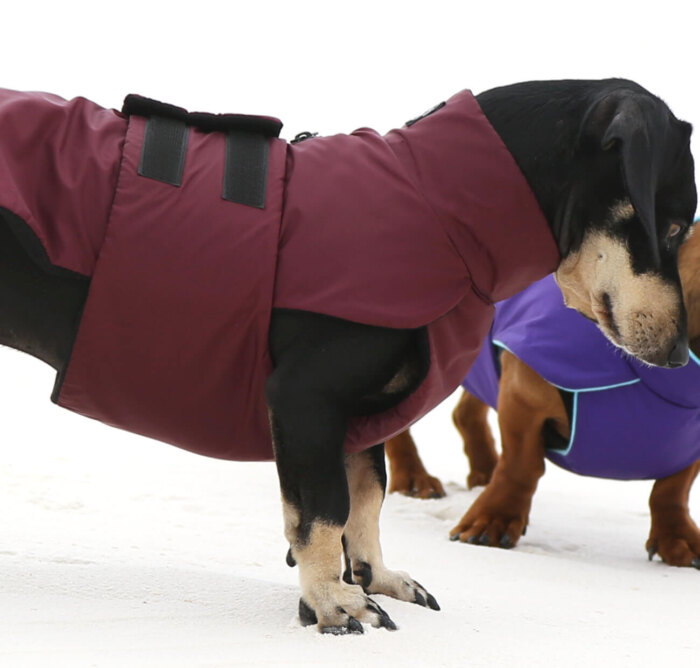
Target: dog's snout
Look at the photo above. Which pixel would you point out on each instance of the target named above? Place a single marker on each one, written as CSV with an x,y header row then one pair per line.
x,y
679,354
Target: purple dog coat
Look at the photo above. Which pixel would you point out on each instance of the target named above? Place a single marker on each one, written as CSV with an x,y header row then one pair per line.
x,y
423,227
629,421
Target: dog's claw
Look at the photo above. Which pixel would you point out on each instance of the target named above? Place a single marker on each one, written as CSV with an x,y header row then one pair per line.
x,y
432,603
420,599
695,563
291,562
307,615
506,543
473,540
651,552
484,539
381,619
454,537
385,622
354,626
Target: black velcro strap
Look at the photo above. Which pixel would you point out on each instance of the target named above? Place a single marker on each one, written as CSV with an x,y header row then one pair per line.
x,y
245,174
144,106
164,149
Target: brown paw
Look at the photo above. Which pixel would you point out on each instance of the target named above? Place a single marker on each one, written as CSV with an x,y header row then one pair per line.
x,y
676,542
417,484
493,524
478,478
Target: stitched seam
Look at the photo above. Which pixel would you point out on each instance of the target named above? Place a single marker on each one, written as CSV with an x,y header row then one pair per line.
x,y
61,375
117,185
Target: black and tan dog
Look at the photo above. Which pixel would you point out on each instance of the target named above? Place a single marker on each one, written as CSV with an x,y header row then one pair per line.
x,y
529,409
610,168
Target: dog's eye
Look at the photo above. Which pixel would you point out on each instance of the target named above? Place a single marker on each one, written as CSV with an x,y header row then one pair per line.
x,y
674,230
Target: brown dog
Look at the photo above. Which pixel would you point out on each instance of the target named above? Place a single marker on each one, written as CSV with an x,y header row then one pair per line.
x,y
499,516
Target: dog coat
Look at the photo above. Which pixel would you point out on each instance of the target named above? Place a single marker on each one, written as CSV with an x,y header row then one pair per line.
x,y
192,227
629,421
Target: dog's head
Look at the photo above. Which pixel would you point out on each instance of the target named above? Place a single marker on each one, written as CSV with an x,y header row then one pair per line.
x,y
628,207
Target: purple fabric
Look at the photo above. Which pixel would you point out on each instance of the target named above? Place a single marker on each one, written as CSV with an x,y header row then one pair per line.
x,y
630,421
407,230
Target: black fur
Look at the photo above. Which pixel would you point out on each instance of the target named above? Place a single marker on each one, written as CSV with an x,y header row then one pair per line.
x,y
578,144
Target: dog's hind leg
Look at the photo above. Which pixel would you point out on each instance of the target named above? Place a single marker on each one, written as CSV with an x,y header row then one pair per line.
x,y
367,481
407,472
674,536
469,417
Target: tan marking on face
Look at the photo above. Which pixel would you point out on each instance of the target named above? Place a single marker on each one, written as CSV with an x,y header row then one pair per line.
x,y
622,210
645,311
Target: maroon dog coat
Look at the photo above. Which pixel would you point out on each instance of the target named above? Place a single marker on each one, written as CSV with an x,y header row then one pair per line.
x,y
423,227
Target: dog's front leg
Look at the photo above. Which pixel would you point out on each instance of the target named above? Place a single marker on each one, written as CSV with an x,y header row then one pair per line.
x,y
367,482
673,535
308,434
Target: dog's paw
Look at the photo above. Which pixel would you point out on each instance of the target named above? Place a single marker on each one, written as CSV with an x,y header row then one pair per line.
x,y
491,525
341,609
478,478
677,542
418,484
399,585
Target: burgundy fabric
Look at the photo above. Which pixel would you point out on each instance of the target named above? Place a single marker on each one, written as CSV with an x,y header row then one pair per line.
x,y
426,226
59,162
173,339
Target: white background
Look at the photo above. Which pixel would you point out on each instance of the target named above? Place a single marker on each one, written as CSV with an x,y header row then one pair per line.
x,y
119,551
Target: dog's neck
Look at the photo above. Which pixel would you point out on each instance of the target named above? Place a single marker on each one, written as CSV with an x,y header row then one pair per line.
x,y
540,123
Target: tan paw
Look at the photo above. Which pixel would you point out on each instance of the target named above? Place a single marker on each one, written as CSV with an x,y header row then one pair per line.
x,y
340,608
400,585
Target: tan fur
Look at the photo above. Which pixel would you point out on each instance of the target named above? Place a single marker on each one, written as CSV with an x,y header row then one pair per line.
x,y
362,533
366,497
291,521
621,211
646,311
319,562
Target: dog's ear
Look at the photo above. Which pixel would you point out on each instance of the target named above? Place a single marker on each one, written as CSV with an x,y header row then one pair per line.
x,y
637,127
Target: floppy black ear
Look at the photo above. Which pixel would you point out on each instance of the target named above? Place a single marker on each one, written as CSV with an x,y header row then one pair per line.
x,y
640,130
638,127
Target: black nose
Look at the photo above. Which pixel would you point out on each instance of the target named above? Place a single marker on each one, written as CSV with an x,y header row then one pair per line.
x,y
679,354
